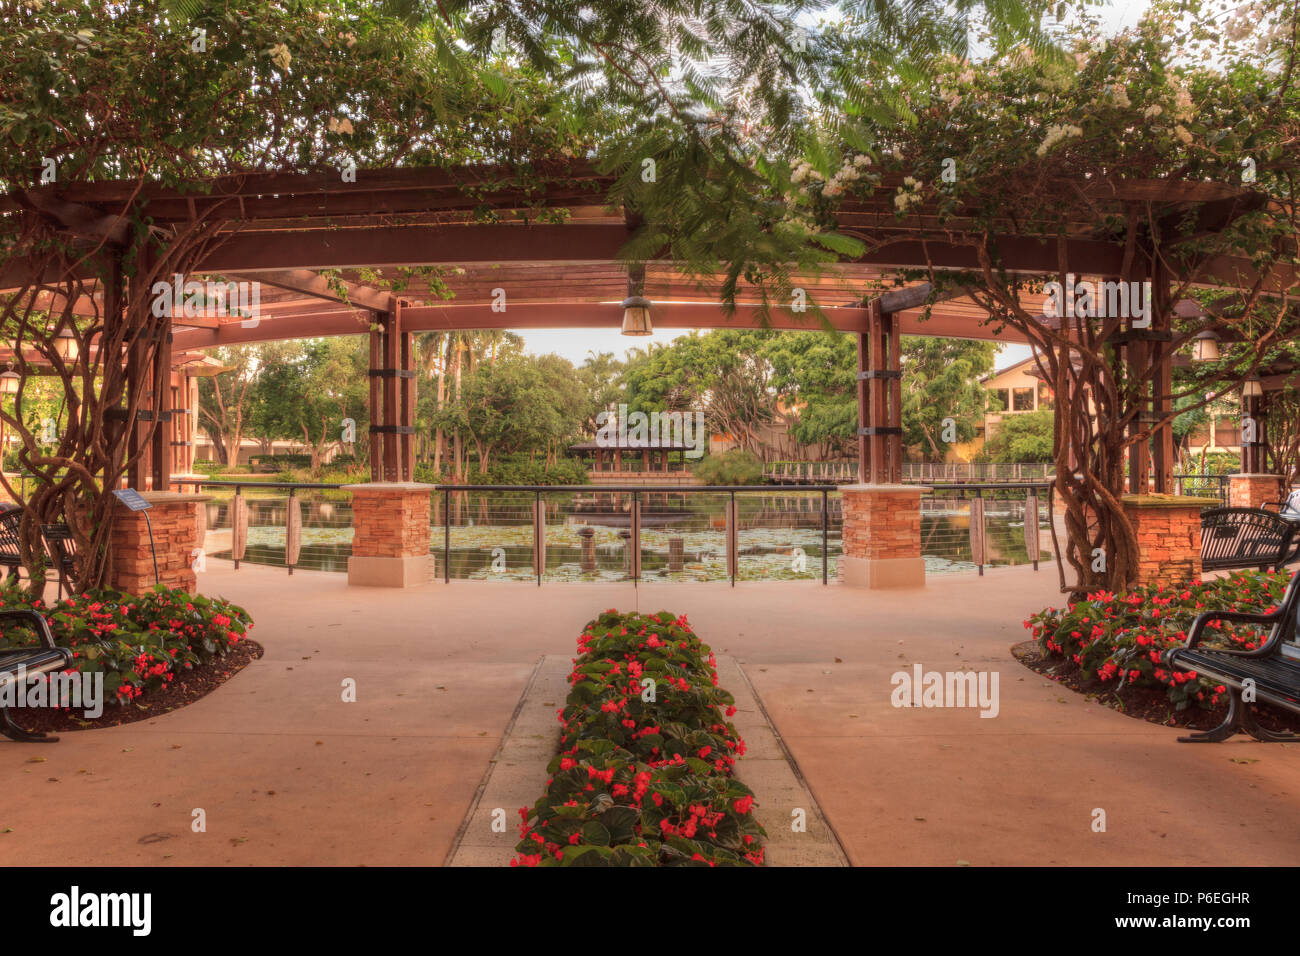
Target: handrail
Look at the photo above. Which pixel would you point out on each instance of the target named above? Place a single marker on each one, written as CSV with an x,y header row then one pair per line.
x,y
673,489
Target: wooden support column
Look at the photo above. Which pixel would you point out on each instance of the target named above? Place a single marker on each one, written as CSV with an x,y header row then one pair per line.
x,y
160,452
139,384
1162,442
1254,454
880,391
406,397
864,450
1137,355
392,397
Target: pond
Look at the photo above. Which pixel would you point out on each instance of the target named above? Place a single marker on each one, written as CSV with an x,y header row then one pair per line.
x,y
683,536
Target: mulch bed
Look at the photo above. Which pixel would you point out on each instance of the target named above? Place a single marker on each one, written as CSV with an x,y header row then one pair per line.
x,y
183,690
1145,703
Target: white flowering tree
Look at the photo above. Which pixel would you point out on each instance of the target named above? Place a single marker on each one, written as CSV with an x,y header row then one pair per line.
x,y
1174,143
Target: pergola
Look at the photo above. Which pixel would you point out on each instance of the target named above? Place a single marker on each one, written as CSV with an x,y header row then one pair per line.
x,y
548,256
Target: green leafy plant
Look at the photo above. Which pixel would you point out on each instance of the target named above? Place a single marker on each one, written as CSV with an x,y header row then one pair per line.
x,y
735,467
642,782
140,642
1121,638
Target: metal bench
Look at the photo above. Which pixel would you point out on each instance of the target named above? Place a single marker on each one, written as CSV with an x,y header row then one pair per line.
x,y
10,555
1288,509
1272,674
20,663
1247,538
61,546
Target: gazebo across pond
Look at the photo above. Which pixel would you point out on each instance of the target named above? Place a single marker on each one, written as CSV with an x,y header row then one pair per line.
x,y
633,458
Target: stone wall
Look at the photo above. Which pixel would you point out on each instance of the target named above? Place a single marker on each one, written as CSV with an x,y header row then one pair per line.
x,y
882,536
175,536
390,534
1251,491
1168,531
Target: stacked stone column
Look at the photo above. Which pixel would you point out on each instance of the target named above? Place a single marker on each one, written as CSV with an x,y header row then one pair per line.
x,y
1168,529
882,536
175,521
1251,491
390,540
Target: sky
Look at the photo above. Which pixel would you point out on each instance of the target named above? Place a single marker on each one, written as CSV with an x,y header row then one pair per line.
x,y
575,344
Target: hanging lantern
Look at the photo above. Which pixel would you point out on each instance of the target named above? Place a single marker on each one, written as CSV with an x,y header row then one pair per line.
x,y
9,381
1252,387
636,316
65,343
1205,346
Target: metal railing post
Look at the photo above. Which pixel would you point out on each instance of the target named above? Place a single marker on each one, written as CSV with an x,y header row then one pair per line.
x,y
825,558
290,556
733,537
539,536
446,536
238,511
635,543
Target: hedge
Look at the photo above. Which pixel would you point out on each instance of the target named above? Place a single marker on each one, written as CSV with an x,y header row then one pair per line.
x,y
640,782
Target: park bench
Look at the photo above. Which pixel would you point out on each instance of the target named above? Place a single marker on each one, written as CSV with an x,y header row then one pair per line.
x,y
1273,674
61,546
23,662
10,557
1247,538
1288,509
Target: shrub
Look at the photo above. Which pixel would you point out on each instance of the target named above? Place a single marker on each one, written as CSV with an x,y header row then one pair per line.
x,y
514,471
139,642
1121,638
643,783
735,467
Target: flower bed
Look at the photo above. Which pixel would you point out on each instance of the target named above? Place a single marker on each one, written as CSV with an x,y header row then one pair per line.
x,y
139,642
643,782
1119,640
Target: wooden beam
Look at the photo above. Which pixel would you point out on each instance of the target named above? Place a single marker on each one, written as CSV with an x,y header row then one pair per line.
x,y
77,219
317,286
586,315
914,296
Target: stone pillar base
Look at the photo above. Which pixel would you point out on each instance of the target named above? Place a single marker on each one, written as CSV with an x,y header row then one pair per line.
x,y
378,572
390,535
174,518
882,536
1251,491
1168,529
882,572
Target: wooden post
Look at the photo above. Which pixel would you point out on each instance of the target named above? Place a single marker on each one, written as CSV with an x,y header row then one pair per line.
x,y
292,532
894,418
1163,386
406,396
376,401
161,447
978,541
864,451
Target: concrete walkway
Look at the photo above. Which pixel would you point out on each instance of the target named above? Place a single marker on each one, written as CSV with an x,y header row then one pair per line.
x,y
287,773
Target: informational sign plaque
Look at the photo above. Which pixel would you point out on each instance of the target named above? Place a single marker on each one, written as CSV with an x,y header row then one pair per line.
x,y
135,502
132,499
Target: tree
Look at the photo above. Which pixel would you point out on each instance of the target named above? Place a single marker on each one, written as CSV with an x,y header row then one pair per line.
x,y
307,395
1144,147
1023,437
520,404
941,382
